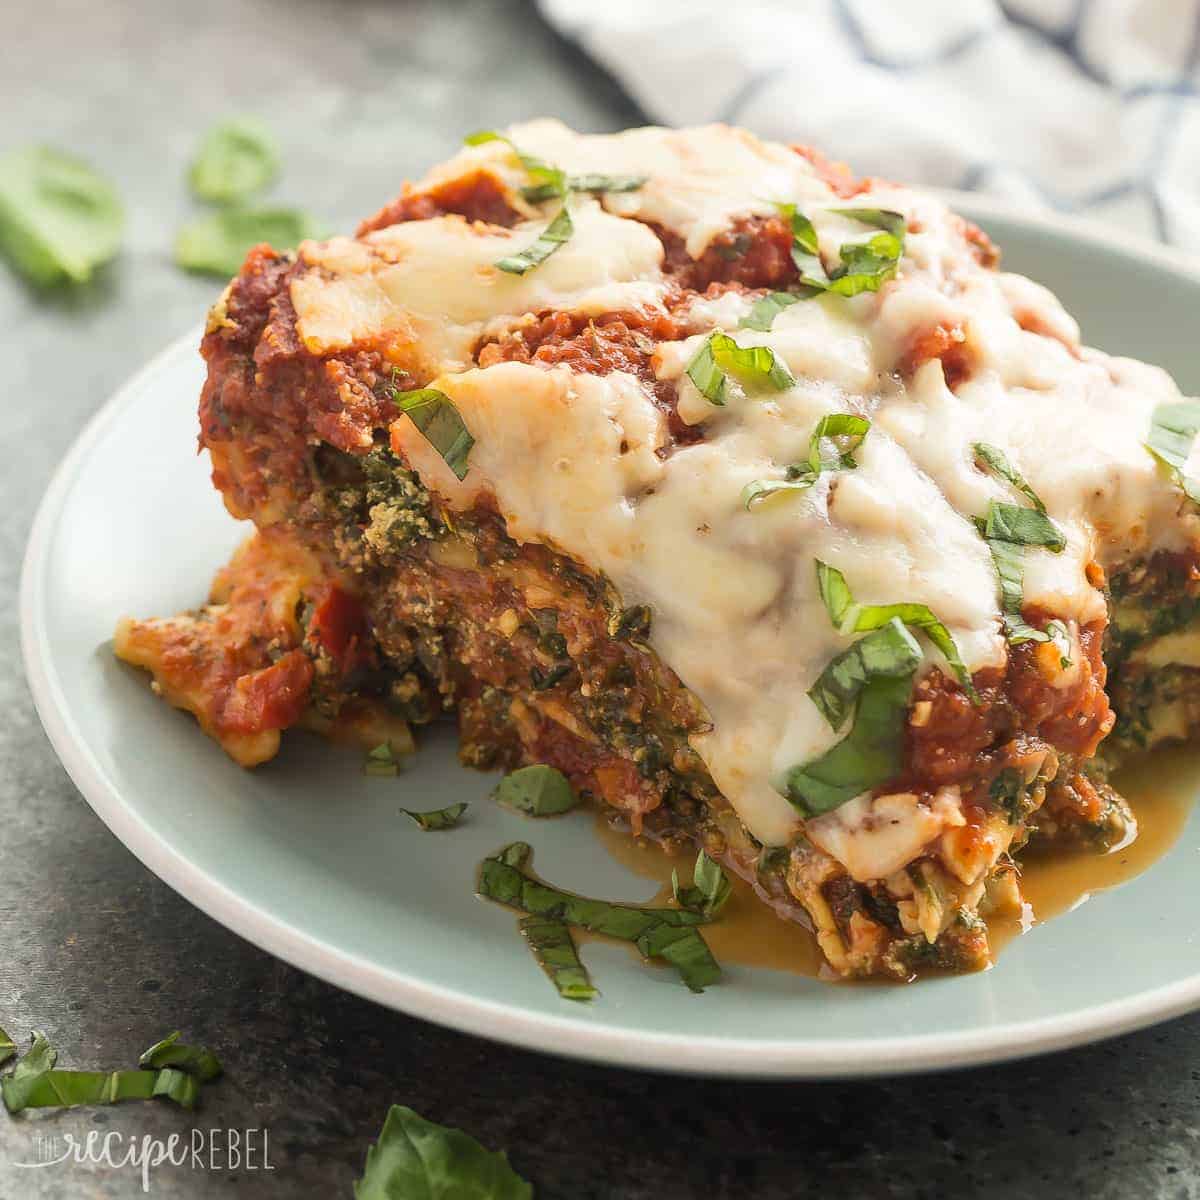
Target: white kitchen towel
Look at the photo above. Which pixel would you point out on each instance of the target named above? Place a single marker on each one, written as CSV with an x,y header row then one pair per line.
x,y
1085,106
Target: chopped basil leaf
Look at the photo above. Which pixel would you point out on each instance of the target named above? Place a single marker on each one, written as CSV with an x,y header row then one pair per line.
x,y
1061,637
710,890
720,354
434,414
502,880
685,950
1173,429
1008,529
35,1083
997,461
605,183
881,218
801,476
415,1159
889,651
707,376
849,617
869,755
1022,527
218,243
766,308
59,220
194,1060
237,158
558,231
866,265
7,1047
550,180
806,251
554,948
538,791
381,761
438,818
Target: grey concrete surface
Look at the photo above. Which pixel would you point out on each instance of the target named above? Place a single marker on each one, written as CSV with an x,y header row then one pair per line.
x,y
104,957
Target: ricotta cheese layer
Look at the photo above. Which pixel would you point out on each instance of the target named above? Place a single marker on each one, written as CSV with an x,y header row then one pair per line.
x,y
585,463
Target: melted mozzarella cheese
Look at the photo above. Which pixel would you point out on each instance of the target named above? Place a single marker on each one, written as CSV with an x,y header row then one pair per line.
x,y
698,181
427,290
573,459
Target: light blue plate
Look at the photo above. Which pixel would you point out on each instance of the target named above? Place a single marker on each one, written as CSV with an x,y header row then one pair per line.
x,y
311,860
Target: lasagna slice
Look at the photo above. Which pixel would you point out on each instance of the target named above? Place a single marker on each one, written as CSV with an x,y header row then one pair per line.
x,y
751,496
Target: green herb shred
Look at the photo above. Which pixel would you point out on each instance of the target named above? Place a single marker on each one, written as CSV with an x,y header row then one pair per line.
x,y
551,943
550,239
1173,429
537,791
1009,530
720,355
434,414
849,617
657,932
438,818
799,477
710,890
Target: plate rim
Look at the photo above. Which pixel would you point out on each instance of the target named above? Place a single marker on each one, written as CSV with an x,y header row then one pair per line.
x,y
740,1057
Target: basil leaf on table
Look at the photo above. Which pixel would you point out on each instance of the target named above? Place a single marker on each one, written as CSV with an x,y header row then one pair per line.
x,y
217,244
800,477
7,1047
59,219
414,1159
36,1083
539,791
237,158
194,1060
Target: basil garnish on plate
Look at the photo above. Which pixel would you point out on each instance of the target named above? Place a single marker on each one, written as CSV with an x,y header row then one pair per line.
x,y
537,791
59,219
434,414
710,890
667,933
237,158
799,477
552,945
1173,429
7,1047
719,354
1008,530
414,1159
438,818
